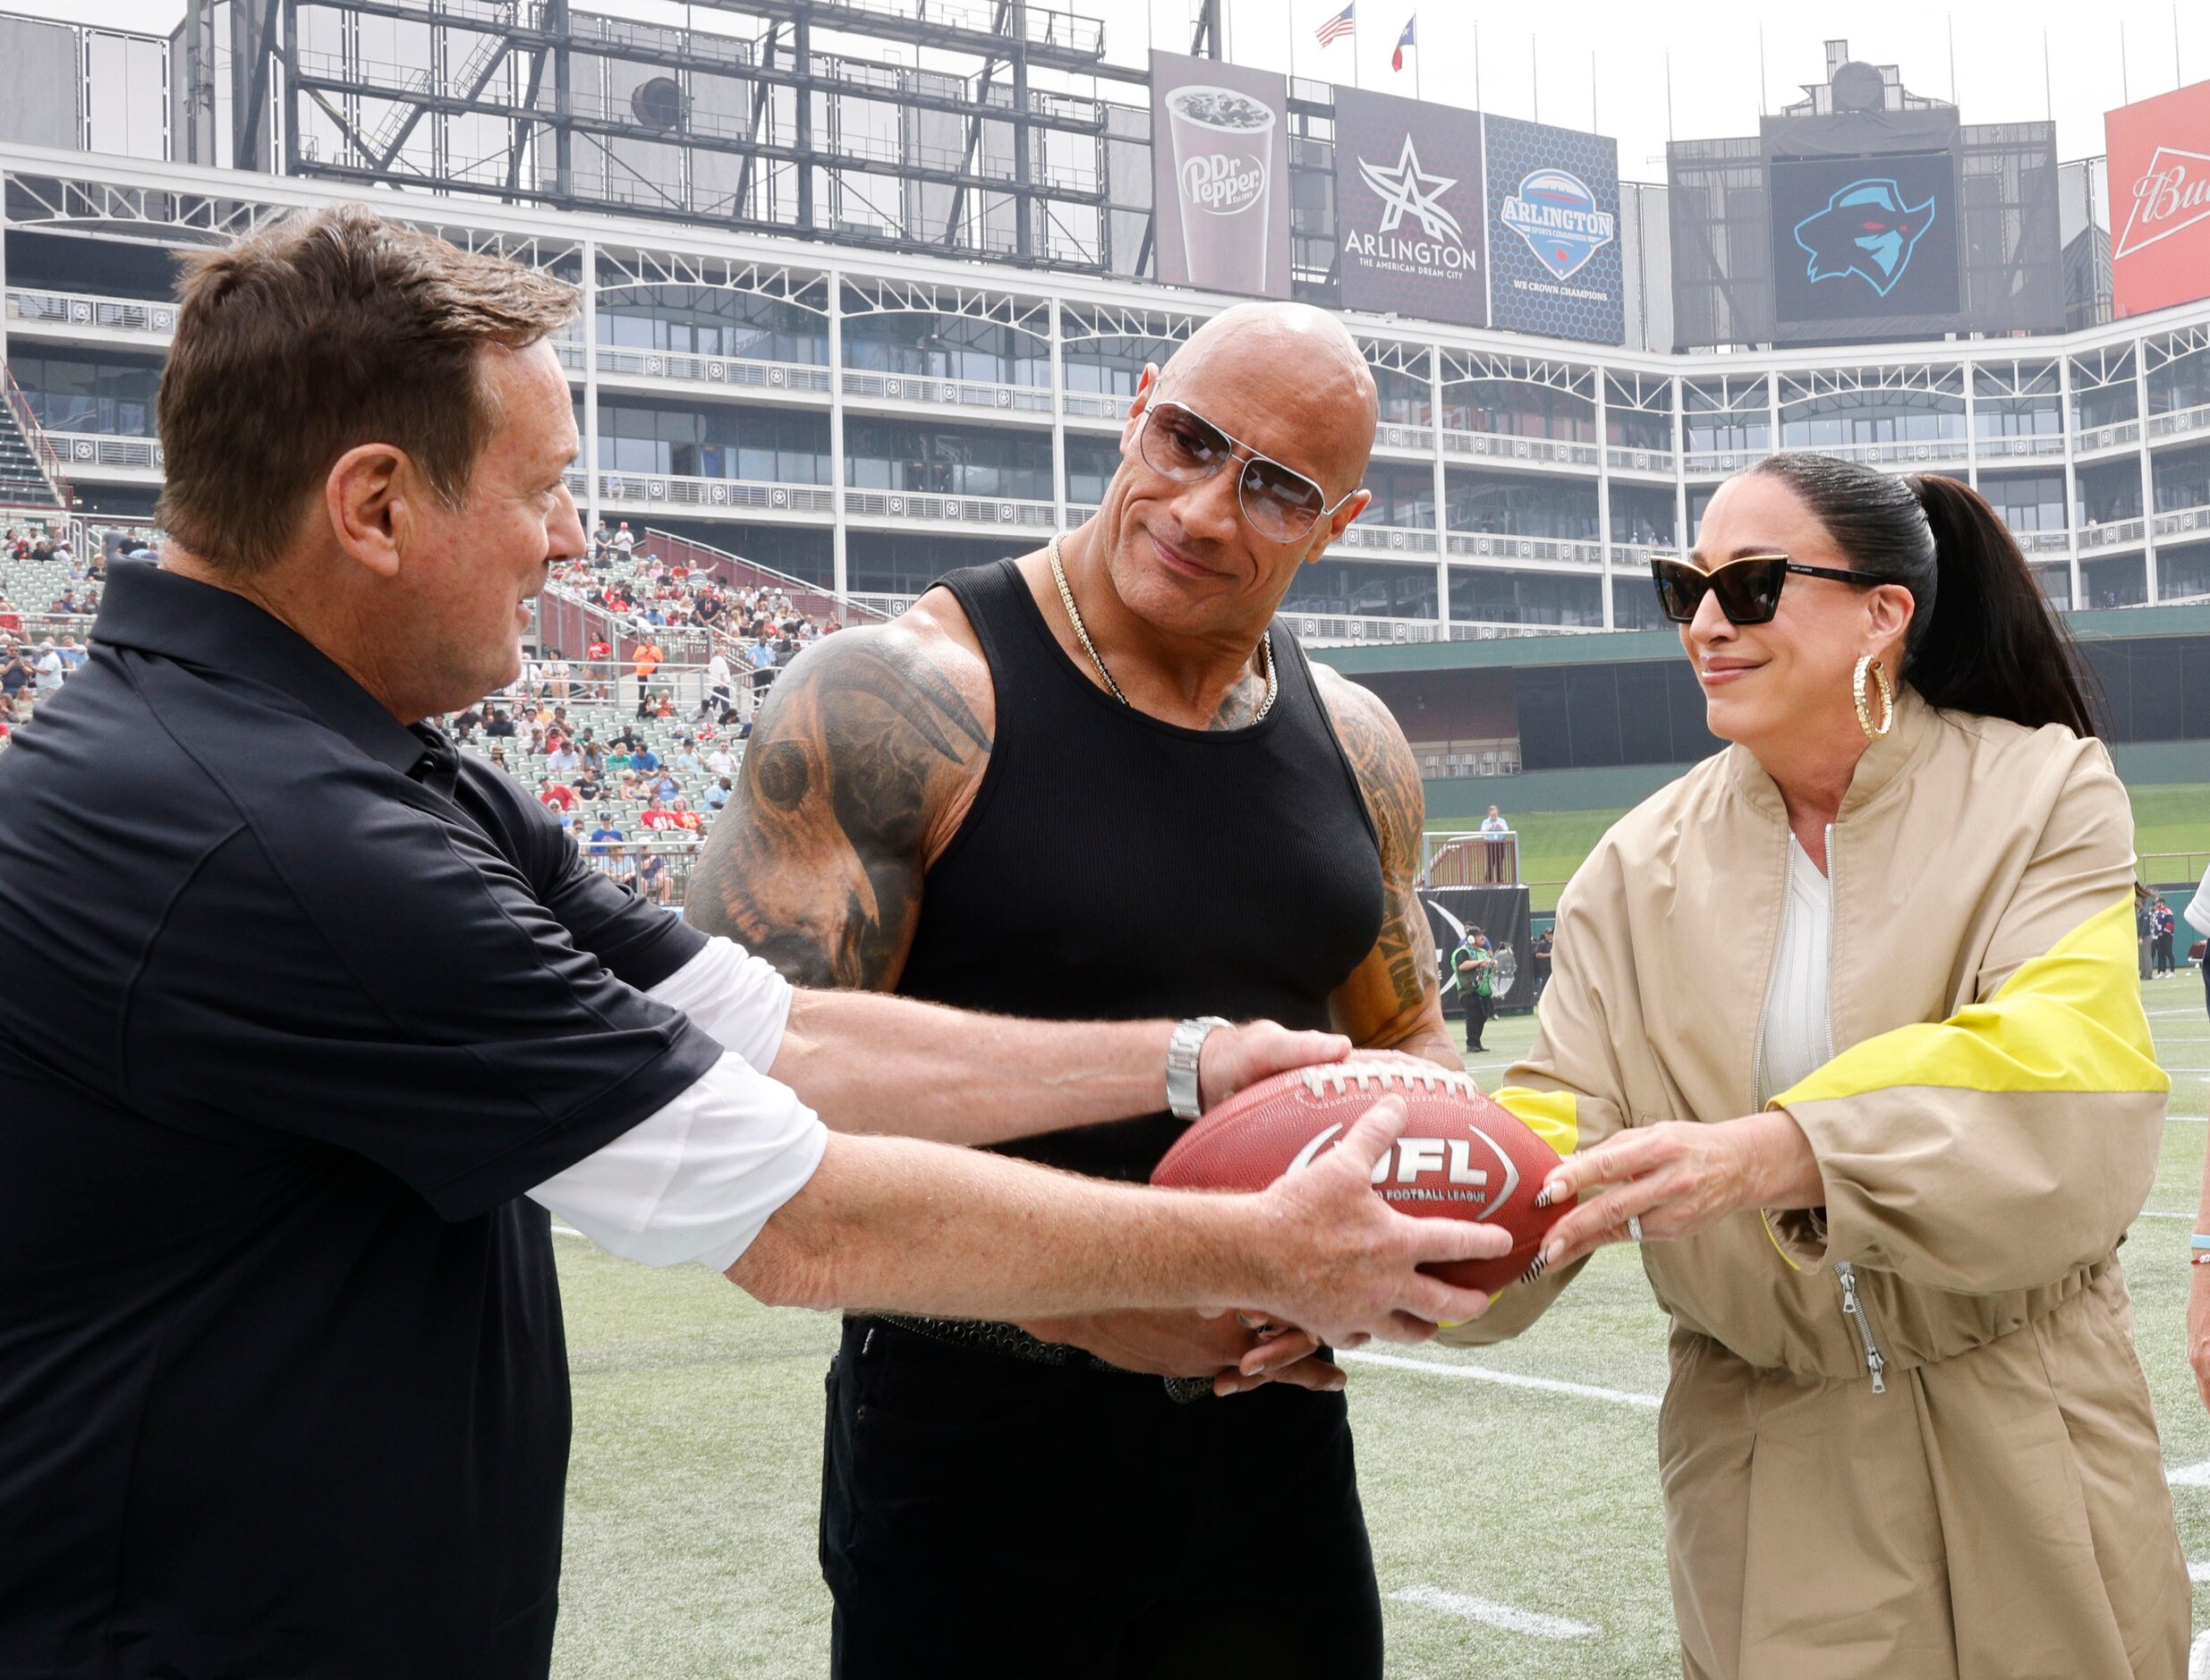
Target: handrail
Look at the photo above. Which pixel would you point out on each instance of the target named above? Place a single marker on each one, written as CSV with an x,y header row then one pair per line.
x,y
736,569
41,447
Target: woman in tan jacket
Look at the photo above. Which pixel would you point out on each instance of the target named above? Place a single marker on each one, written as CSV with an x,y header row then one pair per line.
x,y
1881,1168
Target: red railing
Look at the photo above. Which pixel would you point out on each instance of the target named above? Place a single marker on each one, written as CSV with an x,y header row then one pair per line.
x,y
738,572
41,447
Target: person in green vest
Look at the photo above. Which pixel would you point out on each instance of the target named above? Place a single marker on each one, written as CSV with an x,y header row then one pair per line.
x,y
1474,963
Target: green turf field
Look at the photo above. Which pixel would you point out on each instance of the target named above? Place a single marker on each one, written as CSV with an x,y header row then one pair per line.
x,y
698,1423
2167,820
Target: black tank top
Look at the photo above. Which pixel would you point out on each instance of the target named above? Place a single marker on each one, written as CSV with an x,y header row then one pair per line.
x,y
1116,867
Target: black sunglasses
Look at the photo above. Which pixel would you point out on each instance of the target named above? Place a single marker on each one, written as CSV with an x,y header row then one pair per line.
x,y
1749,588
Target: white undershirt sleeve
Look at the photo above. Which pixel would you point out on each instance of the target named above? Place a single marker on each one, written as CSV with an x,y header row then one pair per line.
x,y
700,1177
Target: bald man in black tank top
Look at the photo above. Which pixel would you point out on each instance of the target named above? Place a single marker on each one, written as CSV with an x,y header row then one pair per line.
x,y
1091,783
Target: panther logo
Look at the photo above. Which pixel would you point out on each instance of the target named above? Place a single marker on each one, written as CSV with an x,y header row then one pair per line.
x,y
1865,230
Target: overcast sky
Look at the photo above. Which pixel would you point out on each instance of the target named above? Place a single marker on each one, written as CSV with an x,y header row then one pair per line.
x,y
1602,63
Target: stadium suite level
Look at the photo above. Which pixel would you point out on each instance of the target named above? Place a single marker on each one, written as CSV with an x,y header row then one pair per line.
x,y
1554,484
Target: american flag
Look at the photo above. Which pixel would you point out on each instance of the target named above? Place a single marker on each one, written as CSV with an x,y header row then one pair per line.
x,y
1342,23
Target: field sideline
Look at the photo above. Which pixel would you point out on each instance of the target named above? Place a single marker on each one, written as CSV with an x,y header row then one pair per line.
x,y
1516,1526
2170,818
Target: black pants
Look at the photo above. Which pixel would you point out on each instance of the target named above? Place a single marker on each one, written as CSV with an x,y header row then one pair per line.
x,y
998,1520
2164,964
1478,1009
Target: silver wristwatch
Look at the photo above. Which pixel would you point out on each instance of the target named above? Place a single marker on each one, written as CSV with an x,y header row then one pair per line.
x,y
1183,1099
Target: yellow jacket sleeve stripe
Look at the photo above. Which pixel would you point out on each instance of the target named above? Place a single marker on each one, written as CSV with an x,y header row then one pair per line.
x,y
2070,1020
1552,1116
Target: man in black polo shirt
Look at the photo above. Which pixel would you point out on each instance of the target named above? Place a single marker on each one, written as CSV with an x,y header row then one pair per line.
x,y
282,1384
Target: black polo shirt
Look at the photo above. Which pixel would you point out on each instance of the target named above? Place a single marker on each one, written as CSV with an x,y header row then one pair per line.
x,y
296,1005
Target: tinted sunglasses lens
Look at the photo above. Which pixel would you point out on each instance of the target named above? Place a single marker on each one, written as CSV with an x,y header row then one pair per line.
x,y
1279,503
1749,590
1177,445
1680,588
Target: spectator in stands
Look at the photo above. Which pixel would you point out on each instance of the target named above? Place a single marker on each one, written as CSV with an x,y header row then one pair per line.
x,y
1544,944
2166,924
555,795
719,682
467,724
588,785
655,880
721,792
719,762
72,655
604,835
620,865
641,756
498,757
624,543
686,761
687,821
564,759
656,817
52,671
497,725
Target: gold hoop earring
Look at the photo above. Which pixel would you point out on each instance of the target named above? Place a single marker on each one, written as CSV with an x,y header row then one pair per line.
x,y
1887,698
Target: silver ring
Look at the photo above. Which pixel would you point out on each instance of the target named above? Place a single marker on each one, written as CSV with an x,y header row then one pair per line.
x,y
1634,1227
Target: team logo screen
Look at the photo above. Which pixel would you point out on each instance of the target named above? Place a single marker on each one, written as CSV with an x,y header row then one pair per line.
x,y
1408,205
1554,232
1558,216
1864,238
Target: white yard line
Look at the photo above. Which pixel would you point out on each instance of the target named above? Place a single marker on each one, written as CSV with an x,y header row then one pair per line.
x,y
1509,1379
567,1230
1509,1617
2150,1213
2190,1475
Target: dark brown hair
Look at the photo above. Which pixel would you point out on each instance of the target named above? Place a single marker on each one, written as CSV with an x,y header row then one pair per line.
x,y
313,337
1983,637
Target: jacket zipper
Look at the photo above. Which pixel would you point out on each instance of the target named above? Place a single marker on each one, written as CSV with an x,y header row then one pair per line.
x,y
1852,1308
1875,1361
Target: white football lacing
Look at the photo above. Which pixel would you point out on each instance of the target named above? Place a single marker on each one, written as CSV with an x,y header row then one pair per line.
x,y
1382,1077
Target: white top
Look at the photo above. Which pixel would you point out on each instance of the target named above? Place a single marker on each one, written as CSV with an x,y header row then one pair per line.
x,y
698,1179
2197,911
1495,825
1797,1033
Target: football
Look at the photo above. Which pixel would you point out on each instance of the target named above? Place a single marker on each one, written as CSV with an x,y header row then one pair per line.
x,y
1462,1156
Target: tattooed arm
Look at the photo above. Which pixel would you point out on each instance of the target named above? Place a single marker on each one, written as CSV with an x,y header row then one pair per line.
x,y
861,766
1392,1000
867,746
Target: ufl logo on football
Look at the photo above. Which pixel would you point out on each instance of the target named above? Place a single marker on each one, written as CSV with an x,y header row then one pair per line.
x,y
1470,1166
1556,214
1865,230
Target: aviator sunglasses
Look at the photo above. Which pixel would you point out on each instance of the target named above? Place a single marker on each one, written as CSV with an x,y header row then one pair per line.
x,y
1181,443
1749,587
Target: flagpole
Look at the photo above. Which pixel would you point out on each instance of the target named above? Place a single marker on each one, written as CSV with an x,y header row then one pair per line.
x,y
1416,57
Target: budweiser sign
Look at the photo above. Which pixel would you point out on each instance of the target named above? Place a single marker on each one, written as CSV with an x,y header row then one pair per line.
x,y
2159,200
2170,197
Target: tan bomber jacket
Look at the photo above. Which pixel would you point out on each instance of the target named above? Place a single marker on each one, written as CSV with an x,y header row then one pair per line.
x,y
1991,1122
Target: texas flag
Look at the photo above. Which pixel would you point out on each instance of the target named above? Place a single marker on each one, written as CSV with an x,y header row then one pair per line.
x,y
1396,60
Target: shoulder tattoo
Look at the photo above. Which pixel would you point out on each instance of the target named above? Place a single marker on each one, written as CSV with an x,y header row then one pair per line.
x,y
816,864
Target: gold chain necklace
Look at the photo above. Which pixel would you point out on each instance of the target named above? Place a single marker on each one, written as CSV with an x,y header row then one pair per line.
x,y
1074,617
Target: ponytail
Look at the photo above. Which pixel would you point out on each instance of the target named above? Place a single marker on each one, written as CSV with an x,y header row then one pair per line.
x,y
1996,648
1982,638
